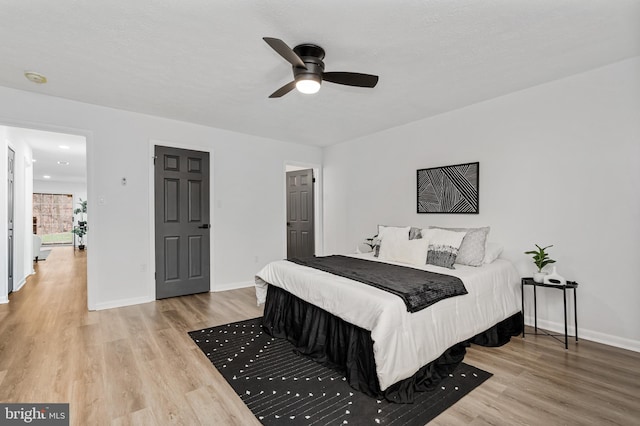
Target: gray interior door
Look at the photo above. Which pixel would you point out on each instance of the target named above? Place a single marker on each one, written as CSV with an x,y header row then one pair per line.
x,y
10,196
300,223
181,222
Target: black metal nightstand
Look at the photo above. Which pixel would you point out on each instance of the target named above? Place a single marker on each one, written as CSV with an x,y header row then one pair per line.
x,y
569,285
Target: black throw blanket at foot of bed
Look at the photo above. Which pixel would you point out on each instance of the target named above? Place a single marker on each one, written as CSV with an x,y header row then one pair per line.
x,y
418,289
348,349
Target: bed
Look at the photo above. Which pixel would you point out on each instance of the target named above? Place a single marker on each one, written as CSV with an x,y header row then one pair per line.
x,y
367,333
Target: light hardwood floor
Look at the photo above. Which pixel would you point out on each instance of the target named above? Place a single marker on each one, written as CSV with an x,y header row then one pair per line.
x,y
137,365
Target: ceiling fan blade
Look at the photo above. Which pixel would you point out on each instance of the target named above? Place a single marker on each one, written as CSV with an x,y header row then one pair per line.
x,y
285,51
283,90
351,78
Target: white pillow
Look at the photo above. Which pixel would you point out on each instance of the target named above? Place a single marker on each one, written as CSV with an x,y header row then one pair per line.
x,y
402,232
413,252
443,246
385,231
492,252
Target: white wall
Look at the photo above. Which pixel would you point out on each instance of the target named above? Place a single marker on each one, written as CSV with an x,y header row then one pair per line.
x,y
559,164
78,190
248,179
23,180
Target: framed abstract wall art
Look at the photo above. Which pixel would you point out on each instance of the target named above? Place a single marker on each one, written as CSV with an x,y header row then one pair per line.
x,y
449,189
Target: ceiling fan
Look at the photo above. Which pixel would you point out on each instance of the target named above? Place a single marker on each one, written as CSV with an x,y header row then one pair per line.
x,y
308,69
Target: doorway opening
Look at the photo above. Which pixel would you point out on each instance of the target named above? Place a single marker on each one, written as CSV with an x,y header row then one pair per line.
x,y
11,163
53,166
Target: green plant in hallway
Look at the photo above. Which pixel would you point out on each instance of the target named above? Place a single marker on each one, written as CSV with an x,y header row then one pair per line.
x,y
80,230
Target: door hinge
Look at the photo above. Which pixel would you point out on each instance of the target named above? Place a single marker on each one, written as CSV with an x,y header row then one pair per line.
x,y
154,159
313,180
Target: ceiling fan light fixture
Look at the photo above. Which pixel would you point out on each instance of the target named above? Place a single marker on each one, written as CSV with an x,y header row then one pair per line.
x,y
308,84
308,69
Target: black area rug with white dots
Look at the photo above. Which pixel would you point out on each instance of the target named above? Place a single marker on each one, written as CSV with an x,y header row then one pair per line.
x,y
284,388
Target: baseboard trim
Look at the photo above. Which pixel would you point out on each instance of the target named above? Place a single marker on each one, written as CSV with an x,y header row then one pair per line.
x,y
232,286
138,300
4,299
121,303
20,284
18,287
595,336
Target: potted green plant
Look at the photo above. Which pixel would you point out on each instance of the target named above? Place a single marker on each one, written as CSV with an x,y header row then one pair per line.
x,y
540,259
80,230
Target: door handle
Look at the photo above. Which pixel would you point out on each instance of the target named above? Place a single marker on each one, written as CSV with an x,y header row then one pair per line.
x,y
205,226
288,223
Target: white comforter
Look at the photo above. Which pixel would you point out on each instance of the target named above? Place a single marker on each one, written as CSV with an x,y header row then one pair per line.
x,y
402,341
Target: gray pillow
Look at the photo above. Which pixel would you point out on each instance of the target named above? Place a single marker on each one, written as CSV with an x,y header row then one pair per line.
x,y
473,245
414,233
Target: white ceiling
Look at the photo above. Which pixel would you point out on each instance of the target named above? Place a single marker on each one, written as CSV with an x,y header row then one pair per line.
x,y
47,153
205,61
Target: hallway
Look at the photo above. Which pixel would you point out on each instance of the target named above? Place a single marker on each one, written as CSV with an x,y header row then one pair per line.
x,y
132,365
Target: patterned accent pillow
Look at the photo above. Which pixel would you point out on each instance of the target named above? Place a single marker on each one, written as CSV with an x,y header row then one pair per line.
x,y
443,246
473,245
413,232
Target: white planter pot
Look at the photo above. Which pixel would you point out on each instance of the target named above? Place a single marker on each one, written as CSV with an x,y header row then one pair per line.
x,y
539,277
